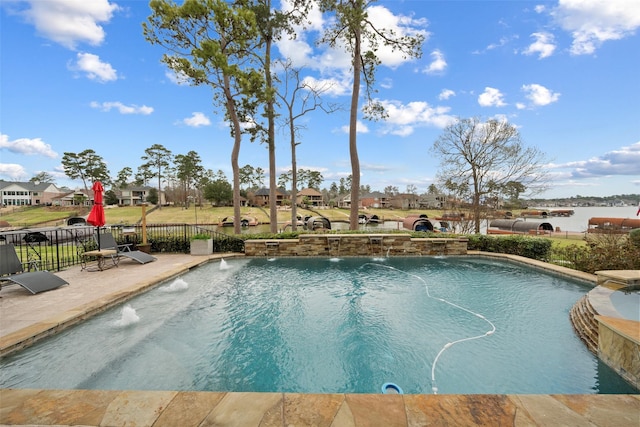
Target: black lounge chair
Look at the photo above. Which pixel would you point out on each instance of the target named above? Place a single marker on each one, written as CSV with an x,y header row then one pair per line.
x,y
12,270
107,241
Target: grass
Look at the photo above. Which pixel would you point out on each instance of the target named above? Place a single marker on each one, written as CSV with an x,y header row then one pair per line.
x,y
45,216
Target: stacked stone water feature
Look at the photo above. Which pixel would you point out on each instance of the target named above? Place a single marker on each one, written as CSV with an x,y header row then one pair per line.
x,y
583,319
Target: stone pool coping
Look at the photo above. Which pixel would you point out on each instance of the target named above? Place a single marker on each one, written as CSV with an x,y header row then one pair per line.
x,y
26,317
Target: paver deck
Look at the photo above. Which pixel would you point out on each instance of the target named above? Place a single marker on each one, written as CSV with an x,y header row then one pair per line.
x,y
25,317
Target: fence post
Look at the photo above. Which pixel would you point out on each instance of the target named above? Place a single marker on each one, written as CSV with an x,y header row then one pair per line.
x,y
57,251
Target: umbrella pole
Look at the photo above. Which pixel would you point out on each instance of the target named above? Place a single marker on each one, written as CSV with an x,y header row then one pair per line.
x,y
98,231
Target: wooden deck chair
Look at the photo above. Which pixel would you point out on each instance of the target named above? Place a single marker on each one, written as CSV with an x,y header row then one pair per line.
x,y
12,270
107,241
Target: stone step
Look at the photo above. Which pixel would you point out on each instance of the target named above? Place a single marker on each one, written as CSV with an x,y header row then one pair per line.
x,y
582,316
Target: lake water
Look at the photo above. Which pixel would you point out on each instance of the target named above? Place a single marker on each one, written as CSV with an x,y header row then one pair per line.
x,y
579,222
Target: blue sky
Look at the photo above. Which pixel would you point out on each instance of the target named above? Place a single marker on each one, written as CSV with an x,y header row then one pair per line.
x,y
78,74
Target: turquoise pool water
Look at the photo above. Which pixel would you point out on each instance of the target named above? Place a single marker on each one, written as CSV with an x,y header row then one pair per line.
x,y
448,325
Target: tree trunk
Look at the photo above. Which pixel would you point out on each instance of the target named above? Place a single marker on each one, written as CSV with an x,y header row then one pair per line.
x,y
294,173
273,198
235,153
353,123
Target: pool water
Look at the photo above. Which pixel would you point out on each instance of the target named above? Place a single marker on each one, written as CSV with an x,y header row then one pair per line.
x,y
448,325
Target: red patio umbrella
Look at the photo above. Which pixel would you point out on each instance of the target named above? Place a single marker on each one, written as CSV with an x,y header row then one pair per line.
x,y
96,216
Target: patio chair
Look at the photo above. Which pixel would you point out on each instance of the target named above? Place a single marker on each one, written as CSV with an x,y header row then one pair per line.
x,y
12,270
107,241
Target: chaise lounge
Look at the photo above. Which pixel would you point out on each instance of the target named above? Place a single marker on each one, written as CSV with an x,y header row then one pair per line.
x,y
107,241
12,270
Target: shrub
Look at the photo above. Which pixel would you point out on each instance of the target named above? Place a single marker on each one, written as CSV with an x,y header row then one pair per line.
x,y
606,251
530,247
201,236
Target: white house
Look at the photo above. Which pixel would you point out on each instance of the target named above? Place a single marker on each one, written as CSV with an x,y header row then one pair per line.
x,y
28,193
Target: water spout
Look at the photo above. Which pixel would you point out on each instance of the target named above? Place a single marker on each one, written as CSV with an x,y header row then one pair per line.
x,y
176,285
127,318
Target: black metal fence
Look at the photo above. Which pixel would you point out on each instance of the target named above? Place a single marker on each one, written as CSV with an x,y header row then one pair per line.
x,y
57,248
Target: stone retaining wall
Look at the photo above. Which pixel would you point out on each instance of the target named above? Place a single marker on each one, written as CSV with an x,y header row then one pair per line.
x,y
334,245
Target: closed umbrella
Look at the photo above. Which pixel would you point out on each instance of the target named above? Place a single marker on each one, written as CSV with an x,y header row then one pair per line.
x,y
96,216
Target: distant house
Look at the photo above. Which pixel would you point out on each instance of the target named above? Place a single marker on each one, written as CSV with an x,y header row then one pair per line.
x,y
432,201
405,201
261,197
375,199
74,198
135,195
345,201
28,193
312,196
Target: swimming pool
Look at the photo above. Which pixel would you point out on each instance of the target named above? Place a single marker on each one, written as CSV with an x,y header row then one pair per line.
x,y
324,326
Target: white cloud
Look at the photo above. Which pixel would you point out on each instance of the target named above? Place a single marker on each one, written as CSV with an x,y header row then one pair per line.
x,y
540,95
438,64
623,161
94,68
399,26
361,127
302,52
329,86
197,119
70,22
179,79
544,45
446,94
404,118
13,171
491,97
122,109
592,22
501,43
386,83
26,146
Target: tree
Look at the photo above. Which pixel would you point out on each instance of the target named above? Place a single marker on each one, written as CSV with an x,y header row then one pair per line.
x,y
299,99
211,43
345,185
158,159
353,31
513,190
152,196
143,175
477,157
412,189
110,197
252,177
314,180
124,177
86,166
272,24
391,190
284,179
42,177
189,171
218,192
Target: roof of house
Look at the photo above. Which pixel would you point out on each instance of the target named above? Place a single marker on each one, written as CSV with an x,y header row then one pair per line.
x,y
29,186
374,195
265,192
309,192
